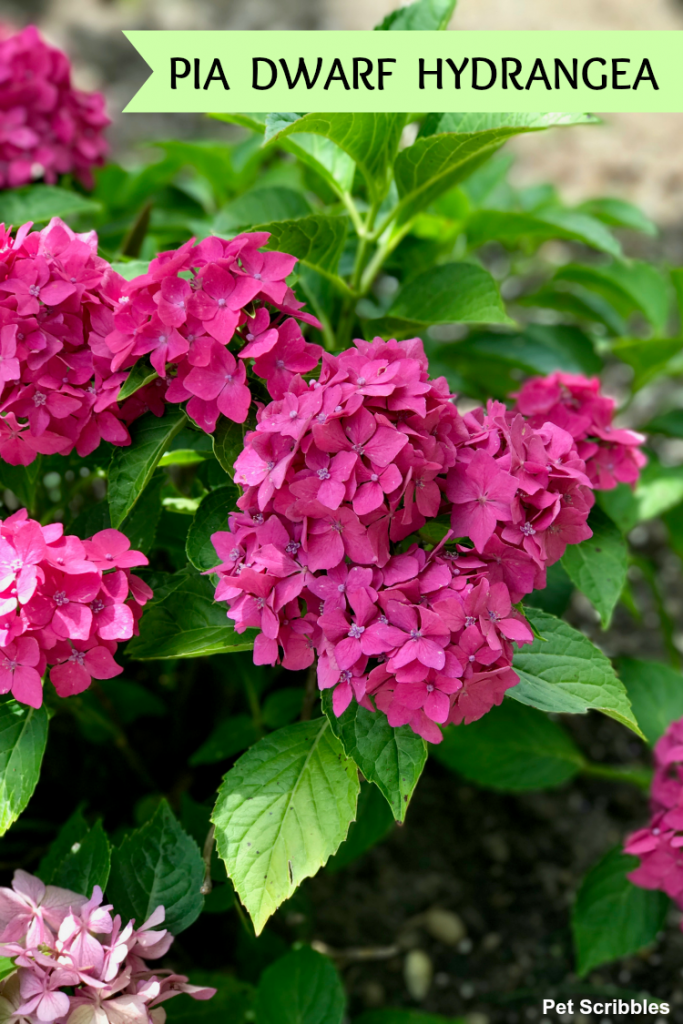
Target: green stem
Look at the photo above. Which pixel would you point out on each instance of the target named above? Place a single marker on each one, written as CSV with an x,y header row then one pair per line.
x,y
375,264
254,705
640,777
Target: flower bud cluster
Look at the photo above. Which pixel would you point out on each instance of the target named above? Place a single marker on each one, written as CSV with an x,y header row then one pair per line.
x,y
47,127
64,604
325,555
76,964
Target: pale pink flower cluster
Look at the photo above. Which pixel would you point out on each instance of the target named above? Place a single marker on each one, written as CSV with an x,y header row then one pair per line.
x,y
64,603
55,393
324,556
47,128
660,845
76,964
611,454
199,314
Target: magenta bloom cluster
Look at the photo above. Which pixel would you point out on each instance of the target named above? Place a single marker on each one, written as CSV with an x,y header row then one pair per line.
x,y
198,315
660,845
611,454
325,556
47,128
64,603
76,964
56,393
71,329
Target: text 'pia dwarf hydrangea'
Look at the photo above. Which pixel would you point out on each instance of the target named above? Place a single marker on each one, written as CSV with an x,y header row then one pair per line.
x,y
660,845
64,604
325,555
76,964
47,128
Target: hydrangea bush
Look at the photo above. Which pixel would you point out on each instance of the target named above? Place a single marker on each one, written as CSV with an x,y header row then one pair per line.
x,y
308,450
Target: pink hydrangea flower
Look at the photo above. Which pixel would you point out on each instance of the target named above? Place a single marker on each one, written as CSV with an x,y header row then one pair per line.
x,y
47,128
64,604
74,962
341,470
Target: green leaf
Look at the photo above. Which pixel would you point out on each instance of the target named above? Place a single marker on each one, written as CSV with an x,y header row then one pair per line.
x,y
373,821
86,864
656,694
619,214
23,736
211,159
452,146
510,227
513,748
612,917
325,158
632,286
648,357
255,122
183,457
140,525
669,423
187,623
447,294
131,468
140,374
598,566
158,864
317,240
228,442
130,270
659,489
565,672
40,203
515,123
391,758
371,140
554,598
232,1004
300,988
258,205
210,517
489,361
132,701
22,480
230,737
72,831
282,811
421,16
282,707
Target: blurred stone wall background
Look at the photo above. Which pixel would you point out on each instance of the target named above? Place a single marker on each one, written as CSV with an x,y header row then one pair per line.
x,y
635,156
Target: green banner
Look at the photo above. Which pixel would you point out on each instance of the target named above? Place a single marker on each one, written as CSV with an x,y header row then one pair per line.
x,y
229,72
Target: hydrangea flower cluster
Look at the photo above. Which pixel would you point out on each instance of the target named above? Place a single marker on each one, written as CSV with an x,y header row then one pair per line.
x,y
64,603
324,556
611,454
56,394
660,845
47,127
76,964
71,329
200,314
